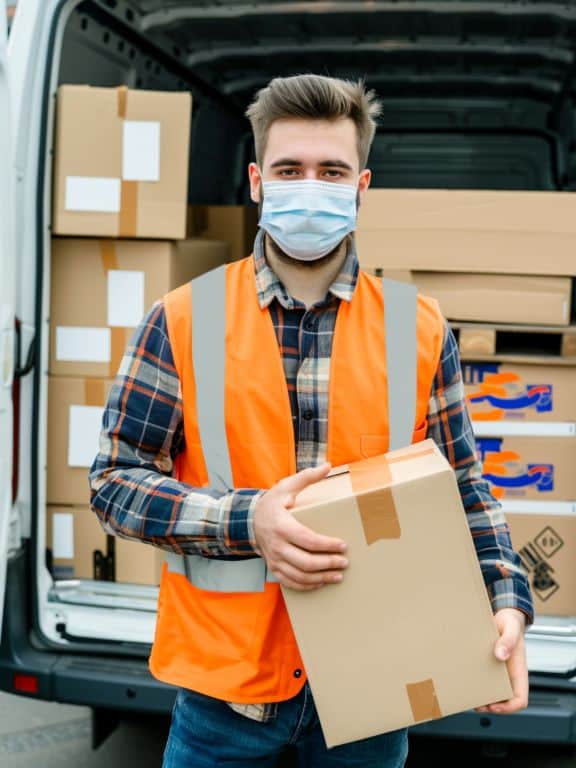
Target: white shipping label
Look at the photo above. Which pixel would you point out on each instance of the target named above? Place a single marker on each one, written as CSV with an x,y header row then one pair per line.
x,y
125,298
63,535
83,345
92,195
141,151
83,434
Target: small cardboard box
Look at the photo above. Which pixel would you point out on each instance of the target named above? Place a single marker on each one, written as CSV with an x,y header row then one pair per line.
x,y
236,224
495,298
547,547
537,468
522,233
77,542
409,633
101,290
121,162
75,410
82,550
499,391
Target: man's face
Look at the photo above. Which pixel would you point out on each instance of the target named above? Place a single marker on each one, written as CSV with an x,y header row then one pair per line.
x,y
297,149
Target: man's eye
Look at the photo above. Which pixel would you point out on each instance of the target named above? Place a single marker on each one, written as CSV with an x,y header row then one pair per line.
x,y
288,172
333,174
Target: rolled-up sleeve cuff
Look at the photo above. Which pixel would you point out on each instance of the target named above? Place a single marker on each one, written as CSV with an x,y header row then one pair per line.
x,y
512,593
238,517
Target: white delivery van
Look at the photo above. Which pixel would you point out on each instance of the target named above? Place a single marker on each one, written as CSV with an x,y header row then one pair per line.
x,y
476,95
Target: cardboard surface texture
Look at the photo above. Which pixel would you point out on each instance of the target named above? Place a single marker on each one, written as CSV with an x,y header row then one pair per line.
x,y
361,640
547,547
236,224
75,409
495,298
121,162
537,468
499,391
82,550
522,233
101,290
76,538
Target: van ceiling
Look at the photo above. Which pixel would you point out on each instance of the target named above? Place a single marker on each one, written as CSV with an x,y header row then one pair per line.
x,y
499,76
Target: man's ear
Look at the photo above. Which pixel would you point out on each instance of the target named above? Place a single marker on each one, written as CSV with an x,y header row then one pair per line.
x,y
363,183
255,178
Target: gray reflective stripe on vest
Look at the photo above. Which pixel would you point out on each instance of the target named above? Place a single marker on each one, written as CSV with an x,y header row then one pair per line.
x,y
400,306
209,359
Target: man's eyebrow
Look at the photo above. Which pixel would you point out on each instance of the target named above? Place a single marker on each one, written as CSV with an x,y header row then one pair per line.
x,y
288,161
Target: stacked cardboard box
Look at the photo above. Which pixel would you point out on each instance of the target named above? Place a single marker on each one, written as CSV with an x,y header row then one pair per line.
x,y
502,267
120,171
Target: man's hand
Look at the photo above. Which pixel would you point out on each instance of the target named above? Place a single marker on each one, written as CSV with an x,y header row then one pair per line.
x,y
297,556
510,648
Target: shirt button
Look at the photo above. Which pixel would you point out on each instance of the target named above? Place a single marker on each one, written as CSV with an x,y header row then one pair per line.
x,y
309,325
297,673
308,415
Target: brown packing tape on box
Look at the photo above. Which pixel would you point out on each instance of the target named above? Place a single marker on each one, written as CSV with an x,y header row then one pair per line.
x,y
95,392
128,220
423,700
118,336
377,509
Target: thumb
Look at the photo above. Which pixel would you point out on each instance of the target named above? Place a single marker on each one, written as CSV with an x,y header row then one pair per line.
x,y
507,640
296,483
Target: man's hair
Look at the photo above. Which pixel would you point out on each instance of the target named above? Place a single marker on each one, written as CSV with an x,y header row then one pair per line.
x,y
315,97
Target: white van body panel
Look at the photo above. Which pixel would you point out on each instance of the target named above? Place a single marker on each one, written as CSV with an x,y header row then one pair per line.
x,y
7,298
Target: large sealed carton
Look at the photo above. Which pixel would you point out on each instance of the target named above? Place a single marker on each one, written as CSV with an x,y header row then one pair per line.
x,y
547,547
235,224
522,233
75,411
536,468
502,391
495,298
80,549
121,162
101,290
408,636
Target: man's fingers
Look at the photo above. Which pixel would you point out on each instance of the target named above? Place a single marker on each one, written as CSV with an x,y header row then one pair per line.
x,y
305,538
288,573
295,483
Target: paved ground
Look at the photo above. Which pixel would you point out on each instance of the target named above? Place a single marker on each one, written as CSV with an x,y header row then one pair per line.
x,y
35,734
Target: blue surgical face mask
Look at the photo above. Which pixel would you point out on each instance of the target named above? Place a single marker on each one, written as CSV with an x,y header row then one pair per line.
x,y
308,219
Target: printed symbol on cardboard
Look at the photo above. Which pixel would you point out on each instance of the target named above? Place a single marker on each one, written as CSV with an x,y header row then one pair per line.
x,y
543,583
548,542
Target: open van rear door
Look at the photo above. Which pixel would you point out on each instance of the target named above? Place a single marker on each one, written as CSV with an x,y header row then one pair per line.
x,y
7,297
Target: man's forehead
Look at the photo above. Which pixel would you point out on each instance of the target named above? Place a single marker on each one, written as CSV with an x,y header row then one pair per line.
x,y
306,139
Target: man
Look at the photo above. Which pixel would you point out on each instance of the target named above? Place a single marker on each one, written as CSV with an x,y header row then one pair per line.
x,y
230,399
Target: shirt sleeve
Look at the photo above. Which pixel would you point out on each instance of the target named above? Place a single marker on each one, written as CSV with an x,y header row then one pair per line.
x,y
450,427
133,489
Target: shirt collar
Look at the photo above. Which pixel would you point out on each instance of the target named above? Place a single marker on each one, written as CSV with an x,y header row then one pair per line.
x,y
269,287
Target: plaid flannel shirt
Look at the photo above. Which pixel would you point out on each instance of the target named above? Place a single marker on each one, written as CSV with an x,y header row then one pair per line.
x,y
135,495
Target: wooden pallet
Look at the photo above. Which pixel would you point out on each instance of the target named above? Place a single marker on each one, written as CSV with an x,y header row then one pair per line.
x,y
516,343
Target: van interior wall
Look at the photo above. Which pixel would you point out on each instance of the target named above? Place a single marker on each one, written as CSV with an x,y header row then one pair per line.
x,y
478,99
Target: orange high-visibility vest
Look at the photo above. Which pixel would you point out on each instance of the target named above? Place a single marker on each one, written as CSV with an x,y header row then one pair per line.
x,y
222,626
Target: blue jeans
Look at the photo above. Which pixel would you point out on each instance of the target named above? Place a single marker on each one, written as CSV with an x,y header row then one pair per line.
x,y
205,733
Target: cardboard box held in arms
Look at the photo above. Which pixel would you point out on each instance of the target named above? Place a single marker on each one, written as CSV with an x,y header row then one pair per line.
x,y
499,391
101,290
521,233
408,636
121,162
546,544
495,298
